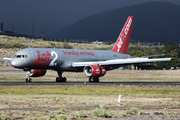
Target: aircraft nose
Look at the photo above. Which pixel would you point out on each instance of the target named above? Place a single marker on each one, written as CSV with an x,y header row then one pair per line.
x,y
15,63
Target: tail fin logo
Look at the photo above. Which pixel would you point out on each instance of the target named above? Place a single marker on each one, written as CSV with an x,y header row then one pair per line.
x,y
120,42
122,37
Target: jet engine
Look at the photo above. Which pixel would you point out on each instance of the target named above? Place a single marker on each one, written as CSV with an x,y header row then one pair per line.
x,y
94,71
35,72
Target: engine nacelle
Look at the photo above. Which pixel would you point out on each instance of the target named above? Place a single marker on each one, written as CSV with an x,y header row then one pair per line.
x,y
94,71
35,72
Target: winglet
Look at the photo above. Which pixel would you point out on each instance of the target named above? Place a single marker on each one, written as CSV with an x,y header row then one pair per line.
x,y
122,42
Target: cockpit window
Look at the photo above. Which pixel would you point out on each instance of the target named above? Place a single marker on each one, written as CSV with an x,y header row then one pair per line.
x,y
20,56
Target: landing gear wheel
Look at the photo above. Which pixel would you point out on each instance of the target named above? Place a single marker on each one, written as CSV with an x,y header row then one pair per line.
x,y
93,79
28,80
90,79
60,79
57,79
64,79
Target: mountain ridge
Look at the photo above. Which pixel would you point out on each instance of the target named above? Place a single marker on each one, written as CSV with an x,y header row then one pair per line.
x,y
154,21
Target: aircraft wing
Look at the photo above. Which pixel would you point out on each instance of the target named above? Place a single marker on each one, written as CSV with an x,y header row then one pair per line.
x,y
7,59
119,61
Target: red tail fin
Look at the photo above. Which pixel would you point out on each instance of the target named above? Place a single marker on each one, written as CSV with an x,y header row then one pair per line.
x,y
122,42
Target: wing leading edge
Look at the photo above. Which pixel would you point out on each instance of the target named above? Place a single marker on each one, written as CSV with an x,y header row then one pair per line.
x,y
119,62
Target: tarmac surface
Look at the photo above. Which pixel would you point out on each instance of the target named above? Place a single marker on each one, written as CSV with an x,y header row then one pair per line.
x,y
12,83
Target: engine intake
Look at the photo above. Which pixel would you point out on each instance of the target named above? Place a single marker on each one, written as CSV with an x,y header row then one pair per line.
x,y
35,72
94,71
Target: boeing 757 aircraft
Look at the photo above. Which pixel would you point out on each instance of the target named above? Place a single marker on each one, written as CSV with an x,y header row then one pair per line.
x,y
94,63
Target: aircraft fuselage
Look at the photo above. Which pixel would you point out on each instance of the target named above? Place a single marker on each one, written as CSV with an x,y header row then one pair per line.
x,y
60,59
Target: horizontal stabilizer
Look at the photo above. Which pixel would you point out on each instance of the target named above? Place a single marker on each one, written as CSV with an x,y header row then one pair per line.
x,y
7,59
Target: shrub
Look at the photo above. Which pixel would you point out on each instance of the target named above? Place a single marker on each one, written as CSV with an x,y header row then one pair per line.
x,y
61,118
41,118
62,111
51,117
102,106
99,112
4,117
134,110
164,104
129,112
171,114
67,46
150,86
90,104
77,114
22,113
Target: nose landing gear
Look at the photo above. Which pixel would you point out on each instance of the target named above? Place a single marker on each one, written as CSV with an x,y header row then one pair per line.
x,y
28,74
28,79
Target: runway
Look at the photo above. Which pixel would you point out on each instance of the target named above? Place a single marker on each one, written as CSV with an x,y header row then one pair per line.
x,y
12,83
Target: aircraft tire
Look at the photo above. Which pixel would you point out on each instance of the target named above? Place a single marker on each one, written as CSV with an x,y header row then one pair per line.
x,y
28,80
57,79
64,79
60,79
95,79
91,79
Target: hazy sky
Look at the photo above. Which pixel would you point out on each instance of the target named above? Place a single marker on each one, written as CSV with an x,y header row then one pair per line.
x,y
23,13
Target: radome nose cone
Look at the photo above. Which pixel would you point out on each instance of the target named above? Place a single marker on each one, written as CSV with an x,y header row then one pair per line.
x,y
13,63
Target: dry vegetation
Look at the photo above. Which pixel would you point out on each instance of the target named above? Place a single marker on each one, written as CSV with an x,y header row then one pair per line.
x,y
91,96
84,96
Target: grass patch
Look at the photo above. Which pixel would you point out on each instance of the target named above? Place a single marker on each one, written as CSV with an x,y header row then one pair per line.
x,y
127,91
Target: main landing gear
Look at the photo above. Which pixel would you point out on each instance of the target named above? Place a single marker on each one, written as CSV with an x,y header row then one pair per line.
x,y
60,78
93,79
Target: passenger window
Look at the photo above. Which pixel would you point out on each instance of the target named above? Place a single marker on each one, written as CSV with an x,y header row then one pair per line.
x,y
22,56
25,56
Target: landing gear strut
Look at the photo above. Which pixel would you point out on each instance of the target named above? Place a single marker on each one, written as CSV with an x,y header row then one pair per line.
x,y
28,73
60,78
93,79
